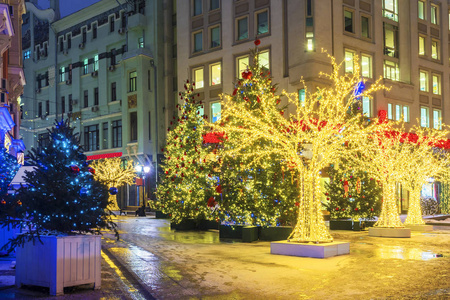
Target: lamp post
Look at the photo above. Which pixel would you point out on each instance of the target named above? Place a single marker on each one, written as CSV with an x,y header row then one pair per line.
x,y
142,172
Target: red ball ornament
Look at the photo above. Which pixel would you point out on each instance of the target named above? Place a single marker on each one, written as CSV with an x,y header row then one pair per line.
x,y
356,209
75,169
257,42
91,170
247,74
3,202
337,208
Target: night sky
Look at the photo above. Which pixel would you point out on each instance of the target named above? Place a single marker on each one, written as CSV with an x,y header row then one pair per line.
x,y
68,7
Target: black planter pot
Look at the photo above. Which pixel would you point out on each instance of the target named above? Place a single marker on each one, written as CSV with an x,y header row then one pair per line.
x,y
185,225
160,215
367,224
357,225
230,232
207,224
341,225
278,233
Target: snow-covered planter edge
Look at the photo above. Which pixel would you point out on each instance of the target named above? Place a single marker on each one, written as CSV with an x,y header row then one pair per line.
x,y
61,261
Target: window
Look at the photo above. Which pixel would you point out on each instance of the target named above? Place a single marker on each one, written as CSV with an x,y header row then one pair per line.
x,y
113,91
105,136
85,66
70,103
96,96
63,104
349,56
91,140
389,111
198,9
348,21
367,106
242,28
424,119
421,45
264,60
436,84
141,42
309,14
421,9
84,35
111,24
198,41
94,31
398,112
214,4
133,127
198,78
40,109
133,81
215,37
391,70
301,97
366,65
365,27
149,126
47,107
390,40
405,113
86,99
242,65
61,44
69,41
423,81
26,54
215,111
437,119
262,22
44,140
390,9
96,62
434,14
117,133
310,41
435,49
215,75
62,74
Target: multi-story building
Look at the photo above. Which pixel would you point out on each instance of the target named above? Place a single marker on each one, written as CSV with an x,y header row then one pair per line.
x,y
12,76
106,68
404,42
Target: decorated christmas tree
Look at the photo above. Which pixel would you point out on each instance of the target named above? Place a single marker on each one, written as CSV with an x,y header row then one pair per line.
x,y
352,194
61,195
8,169
188,187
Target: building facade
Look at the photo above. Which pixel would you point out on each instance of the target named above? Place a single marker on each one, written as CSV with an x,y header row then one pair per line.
x,y
404,42
105,67
12,77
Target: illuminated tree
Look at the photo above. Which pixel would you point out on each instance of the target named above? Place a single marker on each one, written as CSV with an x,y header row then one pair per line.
x,y
188,182
8,169
113,173
318,132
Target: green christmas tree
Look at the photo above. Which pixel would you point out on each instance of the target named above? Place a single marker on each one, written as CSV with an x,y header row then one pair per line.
x,y
8,169
60,195
188,186
352,194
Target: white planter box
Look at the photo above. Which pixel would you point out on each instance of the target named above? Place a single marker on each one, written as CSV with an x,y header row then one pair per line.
x,y
323,250
62,261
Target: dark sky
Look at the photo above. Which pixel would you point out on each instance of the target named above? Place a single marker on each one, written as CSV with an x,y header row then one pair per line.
x,y
68,7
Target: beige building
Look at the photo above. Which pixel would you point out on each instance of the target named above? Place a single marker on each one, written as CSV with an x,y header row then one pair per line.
x,y
403,41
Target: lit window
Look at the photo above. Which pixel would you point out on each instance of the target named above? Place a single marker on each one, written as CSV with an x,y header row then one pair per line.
x,y
141,42
349,56
85,66
215,37
262,22
242,65
198,9
301,97
215,74
366,65
367,106
398,112
436,84
421,45
365,27
424,118
348,21
437,119
198,78
215,111
423,78
62,74
133,81
389,111
198,41
421,9
26,54
96,63
434,49
390,9
242,29
214,4
264,60
405,113
309,41
434,14
390,40
391,70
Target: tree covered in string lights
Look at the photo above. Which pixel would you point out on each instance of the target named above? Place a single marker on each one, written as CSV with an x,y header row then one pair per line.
x,y
113,173
319,131
61,195
188,187
8,169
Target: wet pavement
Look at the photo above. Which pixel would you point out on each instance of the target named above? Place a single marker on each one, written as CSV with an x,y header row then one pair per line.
x,y
153,262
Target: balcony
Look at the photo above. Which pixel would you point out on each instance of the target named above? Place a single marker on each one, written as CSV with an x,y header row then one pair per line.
x,y
137,21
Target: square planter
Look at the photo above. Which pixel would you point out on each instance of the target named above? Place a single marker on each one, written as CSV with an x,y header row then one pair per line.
x,y
278,233
341,225
323,250
230,232
207,225
357,226
160,215
250,234
184,225
61,261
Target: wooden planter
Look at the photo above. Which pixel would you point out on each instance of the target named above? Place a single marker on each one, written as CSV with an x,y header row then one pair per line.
x,y
60,262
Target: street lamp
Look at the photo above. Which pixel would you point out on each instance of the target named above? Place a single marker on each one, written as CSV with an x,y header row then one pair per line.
x,y
142,172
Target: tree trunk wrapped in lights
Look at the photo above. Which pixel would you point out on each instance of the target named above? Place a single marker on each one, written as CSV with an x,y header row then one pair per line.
x,y
321,129
112,173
